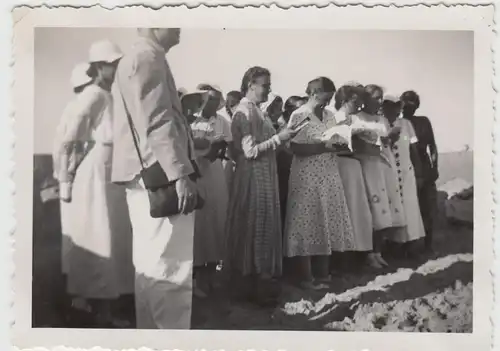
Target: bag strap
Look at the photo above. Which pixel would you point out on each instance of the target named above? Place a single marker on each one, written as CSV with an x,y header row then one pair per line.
x,y
133,131
135,135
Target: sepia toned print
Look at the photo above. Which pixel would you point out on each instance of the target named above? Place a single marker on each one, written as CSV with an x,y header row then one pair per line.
x,y
280,184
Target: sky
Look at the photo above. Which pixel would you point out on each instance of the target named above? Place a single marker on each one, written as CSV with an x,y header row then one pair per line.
x,y
437,64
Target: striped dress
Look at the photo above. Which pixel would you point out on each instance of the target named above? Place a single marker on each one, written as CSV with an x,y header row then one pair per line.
x,y
253,226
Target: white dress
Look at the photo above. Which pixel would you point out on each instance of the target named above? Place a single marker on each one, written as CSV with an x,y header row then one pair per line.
x,y
407,183
98,259
210,221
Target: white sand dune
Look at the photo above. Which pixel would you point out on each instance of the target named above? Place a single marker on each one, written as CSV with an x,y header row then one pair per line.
x,y
380,283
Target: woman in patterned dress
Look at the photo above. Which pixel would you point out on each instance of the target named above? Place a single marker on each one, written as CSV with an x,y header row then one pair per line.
x,y
254,226
317,216
379,174
407,162
212,133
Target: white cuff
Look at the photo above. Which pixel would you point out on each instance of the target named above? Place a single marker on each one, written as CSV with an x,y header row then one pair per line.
x,y
65,190
277,139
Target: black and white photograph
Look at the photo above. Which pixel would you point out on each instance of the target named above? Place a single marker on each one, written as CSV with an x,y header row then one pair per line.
x,y
255,179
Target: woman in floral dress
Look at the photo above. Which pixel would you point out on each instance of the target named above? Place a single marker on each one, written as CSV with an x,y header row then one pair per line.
x,y
317,216
254,225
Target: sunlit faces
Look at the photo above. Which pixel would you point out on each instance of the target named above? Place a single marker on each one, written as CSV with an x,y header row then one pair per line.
x,y
324,98
167,37
108,71
260,87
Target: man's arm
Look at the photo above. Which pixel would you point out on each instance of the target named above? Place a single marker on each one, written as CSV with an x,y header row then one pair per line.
x,y
152,97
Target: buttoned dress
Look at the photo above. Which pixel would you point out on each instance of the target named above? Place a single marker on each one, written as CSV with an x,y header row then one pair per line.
x,y
406,182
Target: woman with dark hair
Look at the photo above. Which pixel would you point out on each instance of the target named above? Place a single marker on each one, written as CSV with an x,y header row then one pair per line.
x,y
254,224
273,109
284,156
428,153
233,98
349,100
98,261
292,104
379,173
317,216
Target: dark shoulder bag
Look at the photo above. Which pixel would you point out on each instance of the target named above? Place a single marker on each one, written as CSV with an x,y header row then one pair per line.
x,y
162,193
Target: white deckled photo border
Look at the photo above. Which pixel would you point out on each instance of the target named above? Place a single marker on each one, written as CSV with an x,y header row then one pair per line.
x,y
479,18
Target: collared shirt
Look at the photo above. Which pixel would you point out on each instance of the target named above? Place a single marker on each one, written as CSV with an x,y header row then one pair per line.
x,y
145,90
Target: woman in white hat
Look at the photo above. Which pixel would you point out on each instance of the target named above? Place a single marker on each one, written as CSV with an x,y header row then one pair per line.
x,y
99,262
64,162
212,135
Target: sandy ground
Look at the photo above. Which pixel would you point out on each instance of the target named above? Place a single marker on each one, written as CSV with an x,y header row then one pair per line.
x,y
432,293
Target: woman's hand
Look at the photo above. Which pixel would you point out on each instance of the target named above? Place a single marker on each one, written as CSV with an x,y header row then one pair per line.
x,y
287,133
337,148
215,150
394,134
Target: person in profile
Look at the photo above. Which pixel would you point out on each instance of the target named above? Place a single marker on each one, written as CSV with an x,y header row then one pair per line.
x,y
147,103
428,153
98,256
253,229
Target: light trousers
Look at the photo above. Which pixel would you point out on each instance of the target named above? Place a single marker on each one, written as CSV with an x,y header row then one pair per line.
x,y
163,260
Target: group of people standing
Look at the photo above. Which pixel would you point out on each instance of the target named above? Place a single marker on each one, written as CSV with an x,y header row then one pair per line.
x,y
279,198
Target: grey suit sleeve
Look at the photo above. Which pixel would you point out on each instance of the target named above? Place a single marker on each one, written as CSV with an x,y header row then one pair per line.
x,y
154,106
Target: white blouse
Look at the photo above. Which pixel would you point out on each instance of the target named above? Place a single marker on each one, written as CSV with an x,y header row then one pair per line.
x,y
86,119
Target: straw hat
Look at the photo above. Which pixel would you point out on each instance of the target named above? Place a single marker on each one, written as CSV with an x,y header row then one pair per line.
x,y
202,90
79,75
104,51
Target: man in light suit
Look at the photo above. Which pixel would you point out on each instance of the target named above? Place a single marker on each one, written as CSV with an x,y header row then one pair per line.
x,y
163,248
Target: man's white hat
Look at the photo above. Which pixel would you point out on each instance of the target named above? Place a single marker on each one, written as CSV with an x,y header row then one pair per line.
x,y
79,75
104,51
